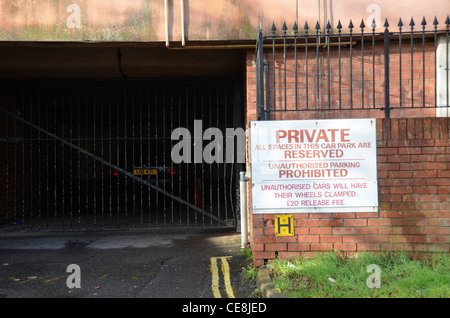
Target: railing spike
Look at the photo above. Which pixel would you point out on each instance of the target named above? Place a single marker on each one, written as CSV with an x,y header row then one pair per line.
x,y
373,25
435,22
273,28
423,23
350,25
317,27
306,27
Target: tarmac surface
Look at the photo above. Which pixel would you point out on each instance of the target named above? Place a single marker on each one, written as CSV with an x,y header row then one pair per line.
x,y
123,264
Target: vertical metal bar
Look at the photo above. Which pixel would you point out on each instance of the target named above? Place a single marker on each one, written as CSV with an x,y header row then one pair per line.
x,y
110,152
133,141
43,107
70,107
217,163
39,142
284,61
146,95
317,66
411,24
339,27
167,97
102,152
210,166
171,129
175,92
27,199
112,94
114,117
447,23
163,130
351,64
7,158
107,144
204,95
55,150
134,159
266,90
180,93
328,64
86,158
138,92
31,195
306,28
15,162
188,105
198,89
224,162
24,140
94,141
15,141
127,148
22,108
156,112
47,120
121,147
400,25
147,124
162,158
79,154
386,71
295,65
199,98
424,23
273,69
141,208
362,26
435,23
63,171
165,107
259,77
373,62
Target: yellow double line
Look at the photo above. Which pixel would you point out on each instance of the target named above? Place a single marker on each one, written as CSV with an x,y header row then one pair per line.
x,y
226,277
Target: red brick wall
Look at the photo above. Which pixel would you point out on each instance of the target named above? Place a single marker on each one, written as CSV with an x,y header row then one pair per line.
x,y
414,197
414,188
412,82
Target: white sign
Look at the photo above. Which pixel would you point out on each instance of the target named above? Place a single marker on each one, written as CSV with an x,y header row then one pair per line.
x,y
310,166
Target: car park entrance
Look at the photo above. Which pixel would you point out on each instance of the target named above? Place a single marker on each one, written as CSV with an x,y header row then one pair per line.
x,y
96,153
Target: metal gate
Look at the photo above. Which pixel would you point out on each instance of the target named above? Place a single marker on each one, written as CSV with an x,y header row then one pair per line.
x,y
96,154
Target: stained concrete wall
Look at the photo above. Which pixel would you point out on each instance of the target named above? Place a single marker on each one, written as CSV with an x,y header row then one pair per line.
x,y
204,20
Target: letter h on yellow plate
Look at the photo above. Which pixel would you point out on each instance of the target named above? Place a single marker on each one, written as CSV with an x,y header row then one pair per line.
x,y
284,225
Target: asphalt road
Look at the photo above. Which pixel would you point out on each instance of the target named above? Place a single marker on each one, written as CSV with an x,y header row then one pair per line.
x,y
121,264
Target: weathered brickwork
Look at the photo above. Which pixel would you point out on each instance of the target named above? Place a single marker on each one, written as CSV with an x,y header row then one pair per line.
x,y
413,160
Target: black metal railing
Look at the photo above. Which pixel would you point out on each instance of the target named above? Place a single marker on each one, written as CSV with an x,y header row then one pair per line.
x,y
405,72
